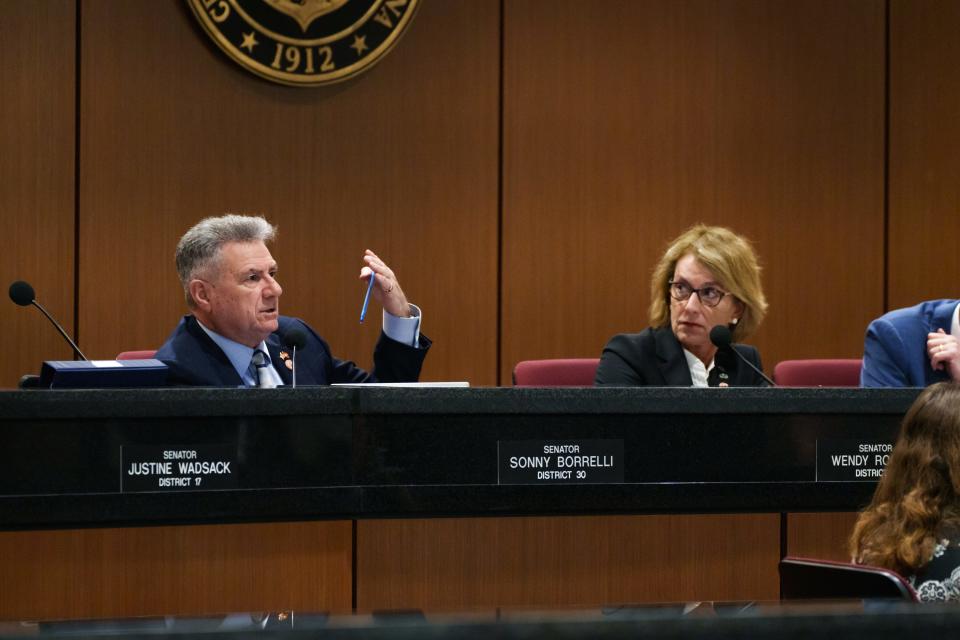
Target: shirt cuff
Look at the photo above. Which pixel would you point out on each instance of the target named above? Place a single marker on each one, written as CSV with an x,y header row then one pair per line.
x,y
403,330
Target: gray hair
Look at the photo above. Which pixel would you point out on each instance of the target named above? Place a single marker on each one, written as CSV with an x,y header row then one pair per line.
x,y
199,248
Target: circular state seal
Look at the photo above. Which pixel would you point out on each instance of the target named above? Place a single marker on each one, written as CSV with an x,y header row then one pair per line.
x,y
305,42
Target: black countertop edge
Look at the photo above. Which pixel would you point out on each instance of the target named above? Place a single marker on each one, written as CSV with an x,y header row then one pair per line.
x,y
352,503
166,402
875,620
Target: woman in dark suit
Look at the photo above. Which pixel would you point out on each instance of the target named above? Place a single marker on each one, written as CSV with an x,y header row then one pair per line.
x,y
709,276
912,525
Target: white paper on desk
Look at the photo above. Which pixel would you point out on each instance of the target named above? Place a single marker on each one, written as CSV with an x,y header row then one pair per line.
x,y
419,385
106,364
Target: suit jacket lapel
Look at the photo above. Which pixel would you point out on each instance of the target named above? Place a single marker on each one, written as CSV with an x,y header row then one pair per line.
x,y
670,359
279,363
943,316
216,362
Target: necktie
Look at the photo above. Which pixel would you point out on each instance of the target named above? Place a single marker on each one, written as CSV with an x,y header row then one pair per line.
x,y
262,363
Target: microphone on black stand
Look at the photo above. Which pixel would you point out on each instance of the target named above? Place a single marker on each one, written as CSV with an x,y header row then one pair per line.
x,y
23,294
723,362
294,339
721,338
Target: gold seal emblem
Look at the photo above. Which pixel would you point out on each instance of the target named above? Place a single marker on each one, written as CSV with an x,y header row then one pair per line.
x,y
305,42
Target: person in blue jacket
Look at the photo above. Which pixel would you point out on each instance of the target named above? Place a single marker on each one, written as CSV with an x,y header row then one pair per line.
x,y
913,347
234,335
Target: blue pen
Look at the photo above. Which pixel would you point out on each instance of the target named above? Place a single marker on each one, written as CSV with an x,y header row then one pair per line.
x,y
366,298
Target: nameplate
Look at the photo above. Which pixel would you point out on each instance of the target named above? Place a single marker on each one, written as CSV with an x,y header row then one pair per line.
x,y
851,460
178,468
560,461
102,374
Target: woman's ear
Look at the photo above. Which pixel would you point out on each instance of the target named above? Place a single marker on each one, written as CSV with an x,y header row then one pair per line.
x,y
738,309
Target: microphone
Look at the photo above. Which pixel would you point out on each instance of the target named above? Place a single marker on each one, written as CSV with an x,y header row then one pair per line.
x,y
294,339
722,362
721,338
23,294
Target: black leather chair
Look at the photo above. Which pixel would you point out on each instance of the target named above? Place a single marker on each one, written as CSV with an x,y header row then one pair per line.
x,y
811,579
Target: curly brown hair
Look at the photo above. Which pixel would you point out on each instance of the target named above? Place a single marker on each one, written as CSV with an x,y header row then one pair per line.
x,y
916,500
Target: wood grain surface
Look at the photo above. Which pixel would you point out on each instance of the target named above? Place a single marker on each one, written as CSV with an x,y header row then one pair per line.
x,y
37,116
402,160
923,260
456,564
624,126
189,570
820,535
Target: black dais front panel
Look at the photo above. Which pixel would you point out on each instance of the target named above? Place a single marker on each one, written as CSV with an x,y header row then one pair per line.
x,y
123,457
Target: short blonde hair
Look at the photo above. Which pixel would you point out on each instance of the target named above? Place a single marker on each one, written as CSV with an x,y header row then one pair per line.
x,y
730,258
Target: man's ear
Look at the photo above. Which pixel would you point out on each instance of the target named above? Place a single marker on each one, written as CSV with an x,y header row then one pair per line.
x,y
200,292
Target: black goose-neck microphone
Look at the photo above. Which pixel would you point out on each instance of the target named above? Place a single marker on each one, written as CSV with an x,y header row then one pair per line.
x,y
294,339
722,339
723,362
23,294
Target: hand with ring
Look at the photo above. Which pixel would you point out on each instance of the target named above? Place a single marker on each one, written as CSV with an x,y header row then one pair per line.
x,y
943,350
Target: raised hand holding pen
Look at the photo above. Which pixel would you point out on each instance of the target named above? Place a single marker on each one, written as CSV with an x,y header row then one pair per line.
x,y
385,288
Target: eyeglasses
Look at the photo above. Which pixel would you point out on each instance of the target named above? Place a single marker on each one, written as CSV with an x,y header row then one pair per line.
x,y
709,296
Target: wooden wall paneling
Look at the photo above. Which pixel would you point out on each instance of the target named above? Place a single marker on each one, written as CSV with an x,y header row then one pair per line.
x,y
625,124
924,195
37,118
402,160
462,564
188,570
820,535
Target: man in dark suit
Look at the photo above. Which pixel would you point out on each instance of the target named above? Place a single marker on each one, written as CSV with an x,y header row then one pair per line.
x,y
913,347
234,334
